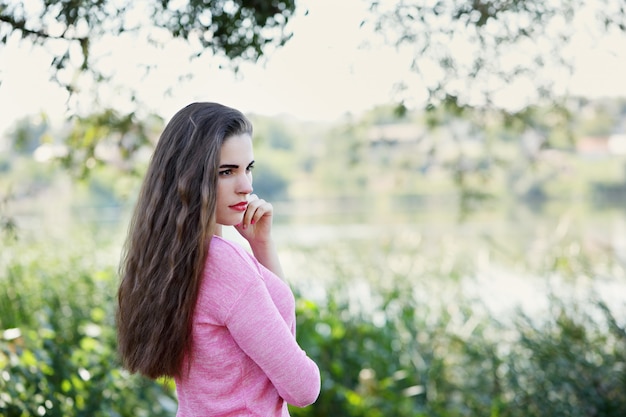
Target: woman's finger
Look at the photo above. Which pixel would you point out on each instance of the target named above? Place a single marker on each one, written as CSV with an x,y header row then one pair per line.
x,y
257,208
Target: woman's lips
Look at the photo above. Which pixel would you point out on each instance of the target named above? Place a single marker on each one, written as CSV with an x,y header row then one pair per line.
x,y
239,206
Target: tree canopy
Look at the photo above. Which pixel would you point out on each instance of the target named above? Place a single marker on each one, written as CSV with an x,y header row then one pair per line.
x,y
465,54
236,29
481,52
233,31
495,63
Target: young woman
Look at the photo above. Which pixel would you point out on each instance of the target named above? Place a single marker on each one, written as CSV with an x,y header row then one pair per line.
x,y
196,307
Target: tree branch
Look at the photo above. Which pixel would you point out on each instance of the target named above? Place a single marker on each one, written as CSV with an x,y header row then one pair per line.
x,y
21,26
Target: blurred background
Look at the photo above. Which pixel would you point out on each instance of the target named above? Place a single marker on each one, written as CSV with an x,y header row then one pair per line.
x,y
449,181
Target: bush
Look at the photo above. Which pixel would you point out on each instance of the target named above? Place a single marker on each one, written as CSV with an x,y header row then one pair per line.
x,y
58,350
391,354
454,361
572,364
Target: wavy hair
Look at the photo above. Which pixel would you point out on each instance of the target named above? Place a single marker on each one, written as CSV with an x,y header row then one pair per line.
x,y
168,239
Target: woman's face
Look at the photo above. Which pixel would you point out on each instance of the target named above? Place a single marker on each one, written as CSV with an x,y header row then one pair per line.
x,y
234,182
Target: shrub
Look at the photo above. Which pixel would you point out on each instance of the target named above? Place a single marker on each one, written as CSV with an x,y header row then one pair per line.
x,y
58,350
392,348
454,361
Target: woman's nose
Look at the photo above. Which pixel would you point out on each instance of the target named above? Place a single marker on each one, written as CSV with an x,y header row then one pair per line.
x,y
245,184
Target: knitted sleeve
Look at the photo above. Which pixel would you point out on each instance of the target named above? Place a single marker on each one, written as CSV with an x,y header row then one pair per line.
x,y
258,328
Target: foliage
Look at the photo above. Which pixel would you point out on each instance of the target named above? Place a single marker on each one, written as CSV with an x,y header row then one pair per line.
x,y
569,365
469,53
27,134
240,30
107,137
393,332
455,361
494,63
391,347
58,351
545,153
7,222
341,167
269,184
77,34
281,146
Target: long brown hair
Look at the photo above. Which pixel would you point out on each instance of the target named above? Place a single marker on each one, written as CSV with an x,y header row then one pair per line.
x,y
168,239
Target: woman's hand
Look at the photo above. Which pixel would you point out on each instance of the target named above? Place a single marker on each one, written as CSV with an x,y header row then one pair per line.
x,y
256,226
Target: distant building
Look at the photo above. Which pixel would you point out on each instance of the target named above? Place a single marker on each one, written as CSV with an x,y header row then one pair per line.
x,y
602,146
593,146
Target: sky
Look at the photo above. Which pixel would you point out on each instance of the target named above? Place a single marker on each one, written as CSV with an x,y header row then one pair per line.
x,y
323,72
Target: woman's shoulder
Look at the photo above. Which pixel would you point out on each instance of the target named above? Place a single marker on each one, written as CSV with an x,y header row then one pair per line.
x,y
220,243
228,273
229,256
221,246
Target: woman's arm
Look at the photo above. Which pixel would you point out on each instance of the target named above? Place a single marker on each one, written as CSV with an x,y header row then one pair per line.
x,y
267,256
260,331
258,327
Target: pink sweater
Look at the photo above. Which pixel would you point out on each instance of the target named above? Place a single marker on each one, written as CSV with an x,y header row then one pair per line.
x,y
245,359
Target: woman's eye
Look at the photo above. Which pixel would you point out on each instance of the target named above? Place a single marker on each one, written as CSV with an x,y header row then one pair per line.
x,y
226,172
250,167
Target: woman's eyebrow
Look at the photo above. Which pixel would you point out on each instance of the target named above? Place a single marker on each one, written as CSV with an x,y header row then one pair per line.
x,y
234,166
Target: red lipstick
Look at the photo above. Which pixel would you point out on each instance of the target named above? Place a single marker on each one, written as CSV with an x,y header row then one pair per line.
x,y
239,206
